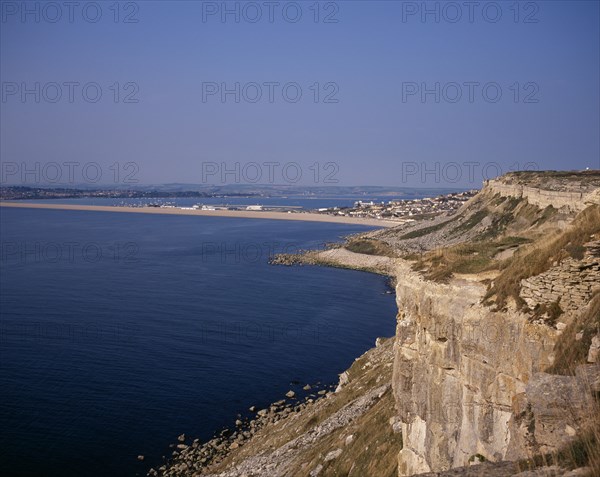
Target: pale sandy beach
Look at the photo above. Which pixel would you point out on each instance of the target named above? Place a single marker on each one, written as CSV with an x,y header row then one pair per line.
x,y
309,217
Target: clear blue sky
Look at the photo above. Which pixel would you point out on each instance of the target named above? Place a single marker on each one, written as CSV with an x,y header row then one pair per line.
x,y
376,54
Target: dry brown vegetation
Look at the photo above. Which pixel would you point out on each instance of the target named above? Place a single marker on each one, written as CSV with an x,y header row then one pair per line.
x,y
474,257
472,240
571,349
582,452
542,255
370,247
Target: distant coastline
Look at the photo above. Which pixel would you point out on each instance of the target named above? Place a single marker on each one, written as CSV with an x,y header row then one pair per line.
x,y
241,214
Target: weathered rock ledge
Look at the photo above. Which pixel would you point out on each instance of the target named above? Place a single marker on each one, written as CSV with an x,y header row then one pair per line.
x,y
340,258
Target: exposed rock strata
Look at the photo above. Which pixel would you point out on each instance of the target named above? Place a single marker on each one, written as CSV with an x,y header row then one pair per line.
x,y
571,284
468,381
575,197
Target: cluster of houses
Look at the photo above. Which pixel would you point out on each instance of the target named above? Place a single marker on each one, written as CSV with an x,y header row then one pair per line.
x,y
404,210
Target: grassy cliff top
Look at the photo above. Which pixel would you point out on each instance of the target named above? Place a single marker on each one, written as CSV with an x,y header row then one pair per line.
x,y
554,180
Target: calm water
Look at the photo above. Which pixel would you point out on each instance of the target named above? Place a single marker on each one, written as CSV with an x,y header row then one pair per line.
x,y
118,332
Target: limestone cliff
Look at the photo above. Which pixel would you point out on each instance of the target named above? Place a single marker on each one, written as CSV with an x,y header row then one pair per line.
x,y
573,200
465,378
470,378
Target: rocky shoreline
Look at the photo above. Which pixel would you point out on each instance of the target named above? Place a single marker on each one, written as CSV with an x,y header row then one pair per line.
x,y
196,456
287,437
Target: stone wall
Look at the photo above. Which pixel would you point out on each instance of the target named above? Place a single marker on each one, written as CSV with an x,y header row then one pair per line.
x,y
571,284
574,200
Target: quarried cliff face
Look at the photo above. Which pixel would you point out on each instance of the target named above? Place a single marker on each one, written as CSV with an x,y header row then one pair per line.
x,y
572,190
468,381
574,200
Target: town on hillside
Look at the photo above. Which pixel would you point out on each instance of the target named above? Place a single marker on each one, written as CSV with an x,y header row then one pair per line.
x,y
404,211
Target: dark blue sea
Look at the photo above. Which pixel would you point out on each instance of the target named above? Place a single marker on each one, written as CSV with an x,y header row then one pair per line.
x,y
118,332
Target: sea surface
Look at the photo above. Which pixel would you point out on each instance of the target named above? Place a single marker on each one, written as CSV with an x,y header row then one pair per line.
x,y
118,332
